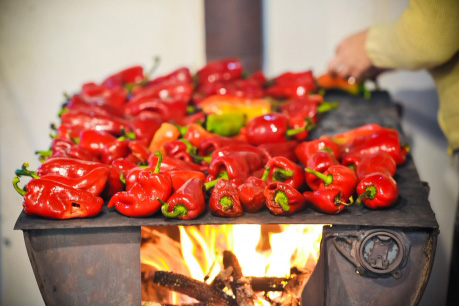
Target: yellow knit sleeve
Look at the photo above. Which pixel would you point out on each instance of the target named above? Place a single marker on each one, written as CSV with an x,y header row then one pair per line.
x,y
425,36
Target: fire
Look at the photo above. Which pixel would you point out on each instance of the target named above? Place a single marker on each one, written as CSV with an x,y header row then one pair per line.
x,y
262,250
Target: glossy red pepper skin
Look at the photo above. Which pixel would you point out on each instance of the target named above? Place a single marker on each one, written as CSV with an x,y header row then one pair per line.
x,y
347,136
209,145
292,85
327,201
180,177
386,140
283,199
377,190
282,169
339,177
66,148
223,70
98,94
141,200
127,76
305,149
190,119
238,165
77,104
251,194
267,129
320,162
139,150
305,108
244,147
93,182
181,75
109,124
187,202
248,88
169,163
195,134
178,150
368,164
224,200
145,125
122,165
286,150
51,199
103,145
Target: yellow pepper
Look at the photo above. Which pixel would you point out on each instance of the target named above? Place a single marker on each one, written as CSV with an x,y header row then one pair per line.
x,y
225,104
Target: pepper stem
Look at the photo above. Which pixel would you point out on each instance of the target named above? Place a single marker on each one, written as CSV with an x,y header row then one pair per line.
x,y
328,179
211,184
16,187
265,174
281,199
326,107
64,110
25,172
177,211
226,203
182,129
294,132
368,194
281,175
122,179
206,159
158,163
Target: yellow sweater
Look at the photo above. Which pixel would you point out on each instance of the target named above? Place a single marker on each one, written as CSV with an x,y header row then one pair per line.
x,y
425,37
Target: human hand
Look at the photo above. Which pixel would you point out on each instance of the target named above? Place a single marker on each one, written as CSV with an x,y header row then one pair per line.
x,y
351,59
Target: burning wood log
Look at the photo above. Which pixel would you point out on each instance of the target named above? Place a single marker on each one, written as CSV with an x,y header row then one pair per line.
x,y
241,286
268,283
193,288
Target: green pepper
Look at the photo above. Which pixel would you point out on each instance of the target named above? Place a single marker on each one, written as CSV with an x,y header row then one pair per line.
x,y
226,124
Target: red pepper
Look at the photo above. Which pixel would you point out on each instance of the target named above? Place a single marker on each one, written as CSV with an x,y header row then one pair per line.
x,y
191,118
305,149
181,75
180,177
195,134
169,163
103,145
286,149
77,104
51,199
67,131
364,130
209,145
224,200
223,70
251,193
282,169
320,162
283,199
305,108
169,109
238,165
271,128
377,190
97,94
127,76
143,198
140,151
122,165
66,148
187,202
337,177
145,125
248,88
179,150
109,124
292,85
231,148
258,77
386,140
367,164
327,201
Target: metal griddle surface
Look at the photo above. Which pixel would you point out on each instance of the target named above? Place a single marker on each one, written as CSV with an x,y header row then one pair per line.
x,y
412,210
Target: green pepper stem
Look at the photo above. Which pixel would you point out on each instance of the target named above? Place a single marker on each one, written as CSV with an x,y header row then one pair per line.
x,y
62,111
158,164
46,153
294,132
182,129
122,179
26,172
211,184
265,174
281,175
53,126
189,147
369,194
281,199
16,187
178,210
326,107
226,203
206,159
328,179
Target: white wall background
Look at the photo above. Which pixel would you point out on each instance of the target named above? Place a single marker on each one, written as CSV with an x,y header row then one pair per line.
x,y
52,46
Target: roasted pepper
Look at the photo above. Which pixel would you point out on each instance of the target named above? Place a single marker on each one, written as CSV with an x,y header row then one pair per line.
x,y
272,128
187,202
320,162
103,145
180,177
282,169
337,177
66,148
224,200
377,190
251,193
305,149
51,199
143,198
283,199
327,201
367,164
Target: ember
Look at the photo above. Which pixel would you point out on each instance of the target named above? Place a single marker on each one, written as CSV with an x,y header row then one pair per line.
x,y
228,264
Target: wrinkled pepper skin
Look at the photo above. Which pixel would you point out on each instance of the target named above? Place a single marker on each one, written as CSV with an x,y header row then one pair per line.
x,y
272,128
234,148
252,194
166,133
327,201
66,148
209,145
305,149
223,70
145,126
364,130
179,150
141,200
54,200
180,75
195,134
103,145
292,85
127,76
169,164
78,104
320,162
368,164
386,140
109,124
337,177
282,169
286,150
283,199
224,200
139,150
377,190
188,202
180,177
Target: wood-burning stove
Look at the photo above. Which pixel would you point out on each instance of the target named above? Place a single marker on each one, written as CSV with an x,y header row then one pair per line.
x,y
381,257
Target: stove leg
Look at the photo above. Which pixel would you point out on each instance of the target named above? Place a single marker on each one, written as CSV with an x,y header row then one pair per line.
x,y
90,266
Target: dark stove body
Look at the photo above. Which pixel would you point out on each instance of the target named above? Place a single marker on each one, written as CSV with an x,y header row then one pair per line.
x,y
367,257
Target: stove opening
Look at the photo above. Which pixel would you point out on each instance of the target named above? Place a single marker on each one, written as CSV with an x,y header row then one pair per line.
x,y
227,264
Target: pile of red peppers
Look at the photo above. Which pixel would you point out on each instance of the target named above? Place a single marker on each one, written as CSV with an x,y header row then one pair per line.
x,y
219,140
